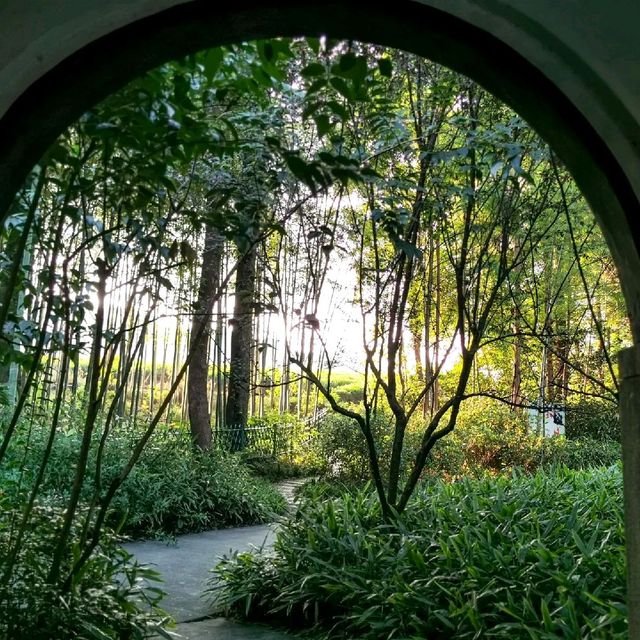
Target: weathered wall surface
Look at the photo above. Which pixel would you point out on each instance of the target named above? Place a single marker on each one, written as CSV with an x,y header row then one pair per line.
x,y
587,48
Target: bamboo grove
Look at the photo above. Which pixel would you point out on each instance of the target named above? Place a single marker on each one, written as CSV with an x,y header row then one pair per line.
x,y
177,257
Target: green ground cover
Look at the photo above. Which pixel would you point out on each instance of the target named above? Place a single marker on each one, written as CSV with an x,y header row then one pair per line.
x,y
528,556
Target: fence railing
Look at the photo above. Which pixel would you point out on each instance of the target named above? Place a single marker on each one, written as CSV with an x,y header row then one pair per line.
x,y
276,439
268,439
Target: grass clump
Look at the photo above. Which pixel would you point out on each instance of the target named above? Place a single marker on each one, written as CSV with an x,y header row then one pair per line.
x,y
174,488
175,492
537,556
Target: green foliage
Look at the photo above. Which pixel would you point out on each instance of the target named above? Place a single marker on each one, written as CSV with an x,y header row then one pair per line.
x,y
490,438
347,387
341,450
274,434
173,489
593,419
320,489
278,447
274,469
580,453
524,557
177,489
107,599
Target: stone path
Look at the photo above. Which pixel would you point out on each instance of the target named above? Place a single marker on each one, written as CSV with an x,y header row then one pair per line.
x,y
288,489
186,567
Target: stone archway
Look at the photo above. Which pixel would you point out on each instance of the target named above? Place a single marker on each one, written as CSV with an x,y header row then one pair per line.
x,y
569,68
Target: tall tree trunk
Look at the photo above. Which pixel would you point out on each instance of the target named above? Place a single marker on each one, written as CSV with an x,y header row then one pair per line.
x,y
416,343
516,385
550,370
428,374
435,390
238,392
199,417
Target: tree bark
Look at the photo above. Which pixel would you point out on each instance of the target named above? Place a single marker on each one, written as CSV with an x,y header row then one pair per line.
x,y
199,417
516,385
237,408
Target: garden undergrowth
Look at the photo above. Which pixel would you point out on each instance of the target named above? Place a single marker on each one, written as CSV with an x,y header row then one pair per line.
x,y
173,489
538,557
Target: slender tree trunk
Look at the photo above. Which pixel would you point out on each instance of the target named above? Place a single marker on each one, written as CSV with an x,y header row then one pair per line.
x,y
435,391
152,373
177,346
516,395
199,417
550,372
237,408
220,359
416,343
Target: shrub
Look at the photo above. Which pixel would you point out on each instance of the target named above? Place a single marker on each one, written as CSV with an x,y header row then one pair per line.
x,y
597,420
179,491
341,450
280,447
493,438
319,490
106,599
347,387
525,557
490,439
580,453
173,489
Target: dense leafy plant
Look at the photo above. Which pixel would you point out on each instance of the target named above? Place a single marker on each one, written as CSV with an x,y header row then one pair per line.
x,y
489,454
490,438
277,446
110,598
176,489
173,489
340,450
593,419
523,557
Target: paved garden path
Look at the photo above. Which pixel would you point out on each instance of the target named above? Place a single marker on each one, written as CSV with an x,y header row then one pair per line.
x,y
186,566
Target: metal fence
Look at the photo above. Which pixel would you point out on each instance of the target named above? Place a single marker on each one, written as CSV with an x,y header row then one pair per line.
x,y
276,439
264,439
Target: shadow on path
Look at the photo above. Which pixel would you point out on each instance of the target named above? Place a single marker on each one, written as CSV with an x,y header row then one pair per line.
x,y
185,566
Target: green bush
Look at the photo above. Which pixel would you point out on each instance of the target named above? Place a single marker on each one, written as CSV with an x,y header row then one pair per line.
x,y
187,490
282,449
580,453
340,448
347,387
107,599
594,419
319,490
536,557
493,438
173,489
490,439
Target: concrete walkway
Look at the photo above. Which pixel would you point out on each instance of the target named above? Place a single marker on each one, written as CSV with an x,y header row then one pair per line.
x,y
186,566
